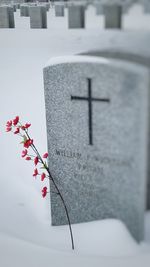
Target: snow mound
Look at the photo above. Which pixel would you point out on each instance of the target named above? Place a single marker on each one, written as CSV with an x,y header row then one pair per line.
x,y
106,238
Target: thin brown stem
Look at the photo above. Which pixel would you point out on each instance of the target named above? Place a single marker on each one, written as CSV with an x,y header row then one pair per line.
x,y
66,210
56,187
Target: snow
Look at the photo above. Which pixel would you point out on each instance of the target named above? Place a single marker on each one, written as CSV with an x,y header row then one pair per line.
x,y
76,58
26,237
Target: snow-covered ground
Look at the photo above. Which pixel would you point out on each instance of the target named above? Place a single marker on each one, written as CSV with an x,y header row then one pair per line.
x,y
26,237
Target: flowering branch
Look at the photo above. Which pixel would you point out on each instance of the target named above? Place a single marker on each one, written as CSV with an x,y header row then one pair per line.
x,y
17,128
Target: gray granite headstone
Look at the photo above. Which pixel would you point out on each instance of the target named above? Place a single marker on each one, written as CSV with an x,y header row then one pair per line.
x,y
59,10
38,17
97,128
24,10
113,16
76,16
7,17
133,47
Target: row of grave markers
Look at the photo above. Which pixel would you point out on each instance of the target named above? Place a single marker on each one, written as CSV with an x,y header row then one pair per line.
x,y
76,13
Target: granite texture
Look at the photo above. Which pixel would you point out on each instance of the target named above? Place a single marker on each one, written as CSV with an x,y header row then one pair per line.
x,y
127,54
7,17
76,16
105,178
38,17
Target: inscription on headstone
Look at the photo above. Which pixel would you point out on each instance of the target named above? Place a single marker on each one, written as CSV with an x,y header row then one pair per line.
x,y
97,127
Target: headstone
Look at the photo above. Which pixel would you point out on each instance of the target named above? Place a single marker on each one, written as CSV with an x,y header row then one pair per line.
x,y
24,10
76,16
97,126
14,7
38,17
18,6
113,16
7,17
59,10
129,47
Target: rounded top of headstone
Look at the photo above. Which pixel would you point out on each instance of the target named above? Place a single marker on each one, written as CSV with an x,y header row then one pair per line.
x,y
118,53
75,59
97,58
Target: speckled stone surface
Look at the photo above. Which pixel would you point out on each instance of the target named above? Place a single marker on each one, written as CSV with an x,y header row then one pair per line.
x,y
105,179
128,53
38,17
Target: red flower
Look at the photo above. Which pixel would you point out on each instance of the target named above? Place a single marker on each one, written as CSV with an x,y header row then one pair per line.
x,y
35,173
9,124
36,160
44,191
43,175
28,158
28,143
8,129
45,155
24,153
17,130
26,126
16,120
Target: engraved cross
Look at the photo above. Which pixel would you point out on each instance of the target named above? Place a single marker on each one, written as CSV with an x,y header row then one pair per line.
x,y
90,100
